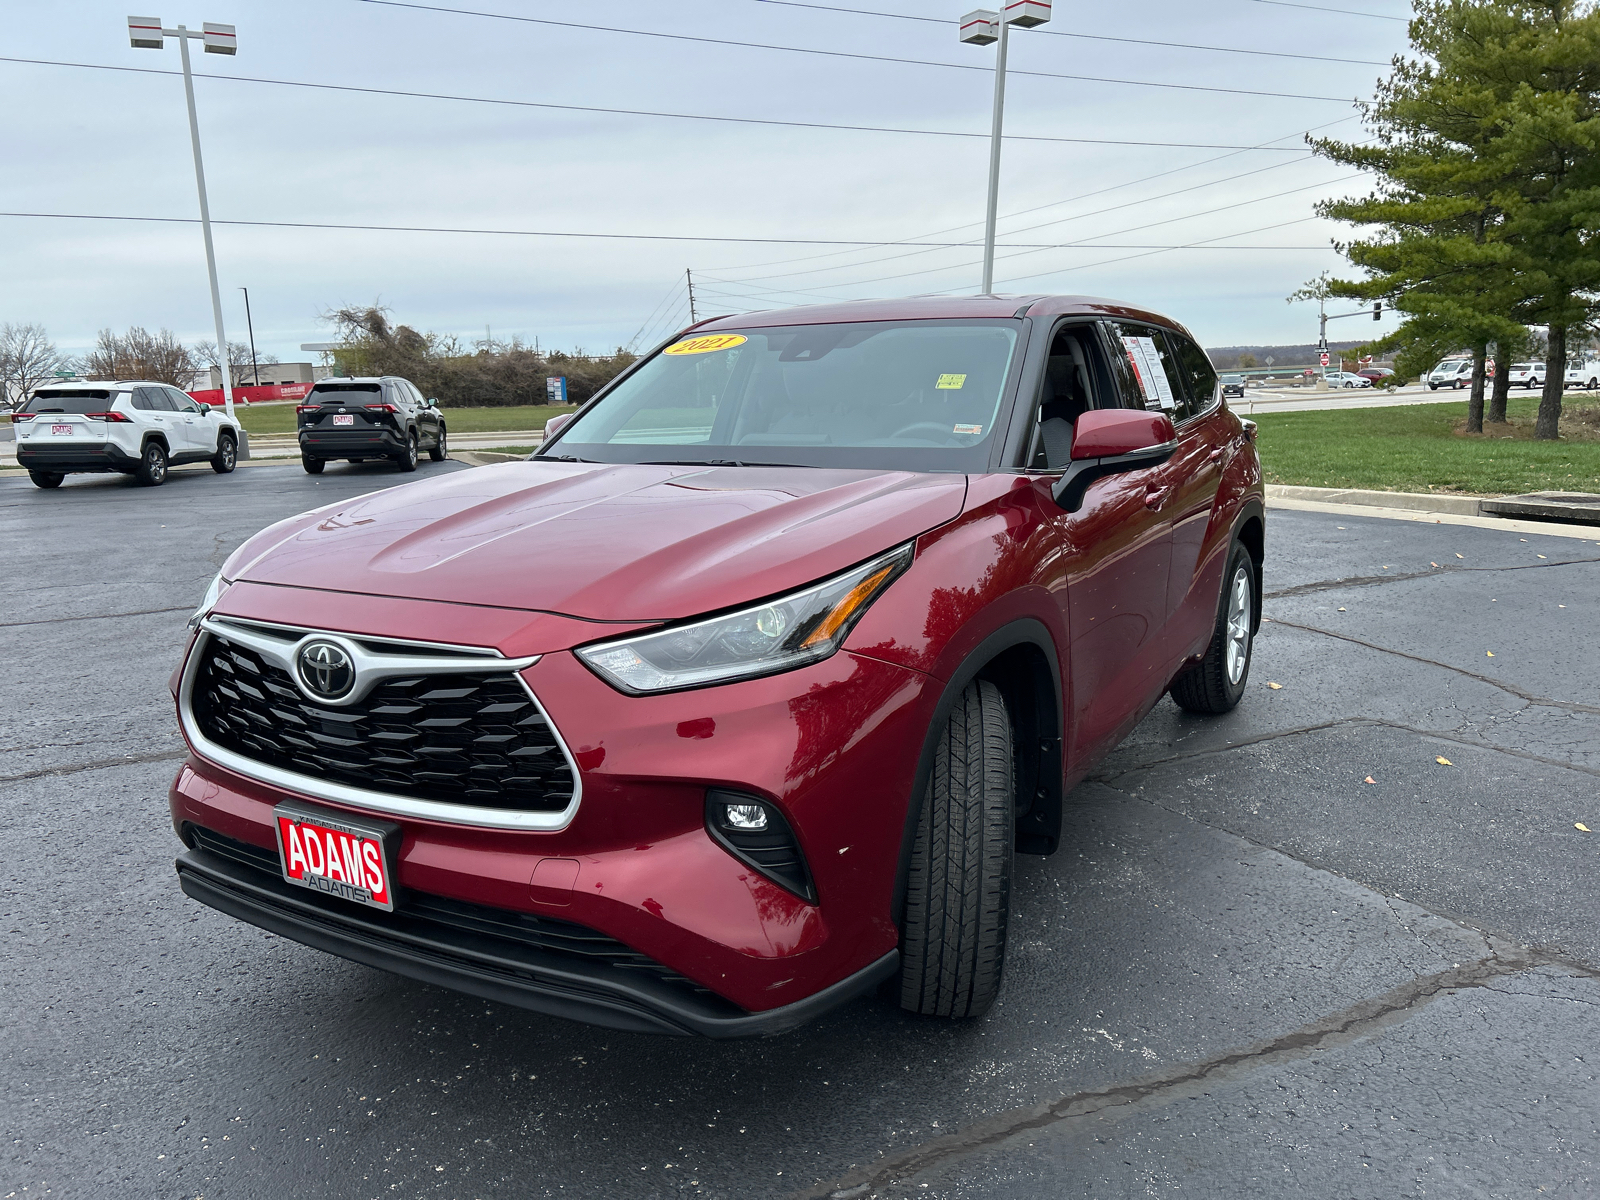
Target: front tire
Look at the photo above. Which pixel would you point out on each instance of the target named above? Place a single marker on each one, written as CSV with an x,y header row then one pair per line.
x,y
46,479
226,457
152,470
313,466
439,452
958,887
406,460
1217,682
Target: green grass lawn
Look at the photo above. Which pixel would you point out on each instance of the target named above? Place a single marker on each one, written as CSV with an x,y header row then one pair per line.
x,y
1416,448
280,418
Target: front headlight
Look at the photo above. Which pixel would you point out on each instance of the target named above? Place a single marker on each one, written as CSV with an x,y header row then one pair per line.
x,y
213,594
776,635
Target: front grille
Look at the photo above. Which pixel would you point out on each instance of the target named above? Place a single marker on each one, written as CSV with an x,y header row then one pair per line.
x,y
474,738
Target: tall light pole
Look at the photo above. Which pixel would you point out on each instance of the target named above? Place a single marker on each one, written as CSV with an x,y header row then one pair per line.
x,y
979,28
146,33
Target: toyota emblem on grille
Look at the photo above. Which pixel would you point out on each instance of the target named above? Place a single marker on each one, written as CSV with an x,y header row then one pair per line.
x,y
326,670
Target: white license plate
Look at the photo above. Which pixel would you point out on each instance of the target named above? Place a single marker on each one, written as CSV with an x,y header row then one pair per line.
x,y
63,430
330,853
344,418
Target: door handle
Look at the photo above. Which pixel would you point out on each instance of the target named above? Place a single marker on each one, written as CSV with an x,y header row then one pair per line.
x,y
1215,456
1156,497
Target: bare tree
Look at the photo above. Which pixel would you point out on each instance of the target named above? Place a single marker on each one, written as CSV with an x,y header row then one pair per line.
x,y
239,364
140,354
28,358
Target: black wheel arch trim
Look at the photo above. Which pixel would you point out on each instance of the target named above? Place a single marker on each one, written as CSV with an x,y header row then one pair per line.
x,y
1041,825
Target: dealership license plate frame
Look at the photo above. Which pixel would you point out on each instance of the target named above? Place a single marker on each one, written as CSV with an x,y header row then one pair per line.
x,y
344,418
386,835
63,431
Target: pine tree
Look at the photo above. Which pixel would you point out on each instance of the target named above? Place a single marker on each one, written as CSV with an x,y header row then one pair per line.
x,y
1487,149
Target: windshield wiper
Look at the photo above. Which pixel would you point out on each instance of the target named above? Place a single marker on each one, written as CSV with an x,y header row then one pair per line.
x,y
559,458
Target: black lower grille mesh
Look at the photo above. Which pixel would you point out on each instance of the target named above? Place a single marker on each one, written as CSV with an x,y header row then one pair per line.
x,y
468,738
418,912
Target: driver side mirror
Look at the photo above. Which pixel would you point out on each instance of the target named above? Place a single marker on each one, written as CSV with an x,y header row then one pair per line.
x,y
1110,441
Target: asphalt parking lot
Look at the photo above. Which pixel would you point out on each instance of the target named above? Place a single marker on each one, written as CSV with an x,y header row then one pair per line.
x,y
1288,951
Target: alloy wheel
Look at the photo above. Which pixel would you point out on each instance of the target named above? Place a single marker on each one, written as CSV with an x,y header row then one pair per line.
x,y
1238,634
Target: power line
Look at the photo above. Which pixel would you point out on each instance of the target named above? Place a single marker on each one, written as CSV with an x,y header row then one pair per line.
x,y
1093,37
1053,203
637,112
1045,224
915,62
1114,233
537,233
1344,12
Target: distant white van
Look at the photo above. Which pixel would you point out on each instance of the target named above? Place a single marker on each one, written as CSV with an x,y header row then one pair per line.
x,y
1451,373
1582,375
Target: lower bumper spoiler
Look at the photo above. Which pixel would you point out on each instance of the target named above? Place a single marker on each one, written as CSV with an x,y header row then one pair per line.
x,y
544,982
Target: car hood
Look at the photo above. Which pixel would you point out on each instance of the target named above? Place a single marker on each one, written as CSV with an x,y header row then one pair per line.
x,y
602,542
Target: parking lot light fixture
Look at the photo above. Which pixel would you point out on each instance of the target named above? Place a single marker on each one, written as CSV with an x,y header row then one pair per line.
x,y
979,28
146,33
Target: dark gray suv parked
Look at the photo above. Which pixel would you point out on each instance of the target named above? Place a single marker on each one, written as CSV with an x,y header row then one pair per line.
x,y
358,419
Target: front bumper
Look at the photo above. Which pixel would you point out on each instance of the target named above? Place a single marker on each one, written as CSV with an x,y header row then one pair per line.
x,y
550,966
833,745
76,458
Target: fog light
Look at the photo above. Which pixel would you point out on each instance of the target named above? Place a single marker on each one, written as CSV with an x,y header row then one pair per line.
x,y
745,816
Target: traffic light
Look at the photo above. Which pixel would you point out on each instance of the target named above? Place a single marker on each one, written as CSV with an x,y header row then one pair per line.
x,y
1377,310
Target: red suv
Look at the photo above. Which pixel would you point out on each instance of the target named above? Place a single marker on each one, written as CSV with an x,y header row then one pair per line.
x,y
736,700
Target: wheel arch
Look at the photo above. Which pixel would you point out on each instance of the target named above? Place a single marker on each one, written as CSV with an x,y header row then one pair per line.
x,y
1020,659
155,435
1250,529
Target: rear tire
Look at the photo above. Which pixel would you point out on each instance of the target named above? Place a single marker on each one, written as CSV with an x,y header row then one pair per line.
x,y
439,452
1217,682
406,460
46,479
958,889
152,470
313,466
226,457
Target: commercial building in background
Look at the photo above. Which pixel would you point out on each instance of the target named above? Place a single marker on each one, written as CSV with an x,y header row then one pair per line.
x,y
272,381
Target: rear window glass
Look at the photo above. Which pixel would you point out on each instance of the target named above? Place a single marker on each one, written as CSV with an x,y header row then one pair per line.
x,y
68,402
340,393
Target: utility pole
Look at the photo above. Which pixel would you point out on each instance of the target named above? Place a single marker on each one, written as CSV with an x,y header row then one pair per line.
x,y
146,33
255,369
689,275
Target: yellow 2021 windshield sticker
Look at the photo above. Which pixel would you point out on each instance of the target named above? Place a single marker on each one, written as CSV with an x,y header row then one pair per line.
x,y
707,343
951,383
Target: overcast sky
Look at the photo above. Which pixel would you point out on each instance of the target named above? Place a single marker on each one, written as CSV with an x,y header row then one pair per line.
x,y
81,141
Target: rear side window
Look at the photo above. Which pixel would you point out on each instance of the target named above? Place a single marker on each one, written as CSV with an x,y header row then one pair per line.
x,y
1198,372
80,402
346,393
155,400
1154,369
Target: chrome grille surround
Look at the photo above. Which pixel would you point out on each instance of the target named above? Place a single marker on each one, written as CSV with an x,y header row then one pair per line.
x,y
375,659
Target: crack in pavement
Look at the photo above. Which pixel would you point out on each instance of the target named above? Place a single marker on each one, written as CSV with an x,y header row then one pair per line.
x,y
99,764
1509,688
1442,735
1341,1028
143,612
1325,585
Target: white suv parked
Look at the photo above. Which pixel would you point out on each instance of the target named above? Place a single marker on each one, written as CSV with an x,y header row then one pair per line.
x,y
1529,375
131,426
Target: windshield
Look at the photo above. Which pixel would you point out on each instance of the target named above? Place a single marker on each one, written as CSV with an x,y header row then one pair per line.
x,y
76,401
1233,379
1450,364
908,395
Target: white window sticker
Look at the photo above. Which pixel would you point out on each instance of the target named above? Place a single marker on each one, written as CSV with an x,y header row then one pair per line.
x,y
1141,369
1158,373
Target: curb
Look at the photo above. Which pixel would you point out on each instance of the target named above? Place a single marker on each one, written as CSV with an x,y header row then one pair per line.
x,y
1459,506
